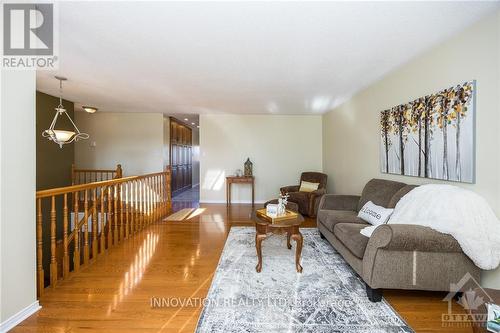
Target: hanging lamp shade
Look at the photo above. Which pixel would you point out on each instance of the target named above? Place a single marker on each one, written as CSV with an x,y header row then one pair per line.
x,y
59,136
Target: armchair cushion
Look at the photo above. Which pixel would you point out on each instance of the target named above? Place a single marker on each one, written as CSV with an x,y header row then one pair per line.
x,y
330,218
348,234
315,177
308,187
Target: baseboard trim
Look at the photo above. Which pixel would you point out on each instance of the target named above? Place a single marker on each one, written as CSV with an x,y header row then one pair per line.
x,y
19,317
232,202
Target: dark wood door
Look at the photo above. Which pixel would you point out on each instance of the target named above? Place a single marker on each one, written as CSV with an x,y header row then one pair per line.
x,y
180,156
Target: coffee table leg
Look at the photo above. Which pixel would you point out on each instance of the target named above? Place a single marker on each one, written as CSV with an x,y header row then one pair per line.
x,y
288,244
258,246
298,239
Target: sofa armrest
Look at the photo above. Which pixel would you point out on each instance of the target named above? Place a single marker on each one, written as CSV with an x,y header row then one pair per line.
x,y
289,189
339,202
409,237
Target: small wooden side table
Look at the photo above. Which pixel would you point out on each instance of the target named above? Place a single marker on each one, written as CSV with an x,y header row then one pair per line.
x,y
288,227
239,180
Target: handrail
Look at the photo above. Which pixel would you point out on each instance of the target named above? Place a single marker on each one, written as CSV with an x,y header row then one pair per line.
x,y
89,186
113,210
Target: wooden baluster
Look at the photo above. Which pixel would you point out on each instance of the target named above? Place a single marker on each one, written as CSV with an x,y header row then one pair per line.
x,y
76,231
120,186
39,250
160,200
136,205
86,253
65,238
157,201
166,184
164,194
143,203
102,236
139,204
148,201
94,224
53,261
154,191
133,207
109,220
127,210
161,197
115,216
156,197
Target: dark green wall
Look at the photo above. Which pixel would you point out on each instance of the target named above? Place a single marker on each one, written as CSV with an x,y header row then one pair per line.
x,y
53,164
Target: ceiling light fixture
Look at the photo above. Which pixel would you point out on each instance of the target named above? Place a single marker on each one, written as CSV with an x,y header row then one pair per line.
x,y
89,109
185,119
62,137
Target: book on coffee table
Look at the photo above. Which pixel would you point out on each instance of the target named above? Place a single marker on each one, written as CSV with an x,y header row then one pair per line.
x,y
276,219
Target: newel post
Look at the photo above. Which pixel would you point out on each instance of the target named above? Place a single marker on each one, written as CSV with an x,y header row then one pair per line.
x,y
119,171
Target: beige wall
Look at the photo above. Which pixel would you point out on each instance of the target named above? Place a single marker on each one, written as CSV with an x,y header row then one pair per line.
x,y
351,131
280,147
135,140
17,198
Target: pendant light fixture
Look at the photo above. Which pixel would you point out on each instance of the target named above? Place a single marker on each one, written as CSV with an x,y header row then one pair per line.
x,y
62,137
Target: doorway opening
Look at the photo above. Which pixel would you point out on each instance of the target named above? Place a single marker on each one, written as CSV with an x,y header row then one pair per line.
x,y
185,161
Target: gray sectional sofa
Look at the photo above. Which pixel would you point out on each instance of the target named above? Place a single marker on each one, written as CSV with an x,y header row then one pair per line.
x,y
398,256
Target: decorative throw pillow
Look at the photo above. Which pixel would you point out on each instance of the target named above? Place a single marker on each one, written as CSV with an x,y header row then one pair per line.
x,y
375,215
308,187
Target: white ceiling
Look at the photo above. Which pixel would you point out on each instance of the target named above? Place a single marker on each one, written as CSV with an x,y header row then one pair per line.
x,y
241,57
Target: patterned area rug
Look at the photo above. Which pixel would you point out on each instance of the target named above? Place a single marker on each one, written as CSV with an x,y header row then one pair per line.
x,y
327,297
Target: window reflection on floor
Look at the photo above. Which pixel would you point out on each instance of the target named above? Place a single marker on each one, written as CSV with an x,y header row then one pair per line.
x,y
134,274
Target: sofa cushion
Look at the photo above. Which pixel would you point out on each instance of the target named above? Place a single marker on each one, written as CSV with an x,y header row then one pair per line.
x,y
330,218
348,234
399,194
380,192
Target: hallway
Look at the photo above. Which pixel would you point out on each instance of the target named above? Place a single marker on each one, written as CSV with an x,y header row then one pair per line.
x,y
186,199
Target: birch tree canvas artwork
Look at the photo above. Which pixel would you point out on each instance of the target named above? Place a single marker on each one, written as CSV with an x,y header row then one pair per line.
x,y
432,136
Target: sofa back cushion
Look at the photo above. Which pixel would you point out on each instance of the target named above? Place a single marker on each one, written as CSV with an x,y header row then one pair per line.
x,y
380,192
315,177
399,194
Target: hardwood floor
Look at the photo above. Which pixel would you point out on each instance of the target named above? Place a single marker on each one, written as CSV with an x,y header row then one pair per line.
x,y
175,260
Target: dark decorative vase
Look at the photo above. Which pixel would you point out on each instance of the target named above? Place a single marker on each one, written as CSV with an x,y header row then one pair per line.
x,y
248,167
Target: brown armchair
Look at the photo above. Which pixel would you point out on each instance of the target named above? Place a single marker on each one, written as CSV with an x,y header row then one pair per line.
x,y
308,201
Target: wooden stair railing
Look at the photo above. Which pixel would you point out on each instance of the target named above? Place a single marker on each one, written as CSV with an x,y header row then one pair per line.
x,y
84,176
116,208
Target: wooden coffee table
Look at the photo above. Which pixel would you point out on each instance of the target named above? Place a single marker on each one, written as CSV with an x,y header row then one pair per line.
x,y
290,227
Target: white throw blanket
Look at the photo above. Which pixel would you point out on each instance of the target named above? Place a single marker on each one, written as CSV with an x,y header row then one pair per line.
x,y
455,211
